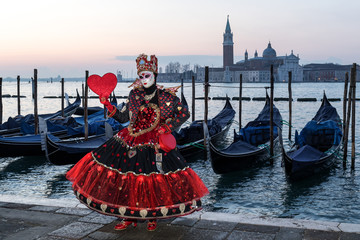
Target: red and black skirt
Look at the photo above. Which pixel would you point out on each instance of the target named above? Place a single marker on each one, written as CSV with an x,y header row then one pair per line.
x,y
126,178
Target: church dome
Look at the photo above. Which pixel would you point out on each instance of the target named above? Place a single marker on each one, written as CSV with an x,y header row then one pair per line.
x,y
269,52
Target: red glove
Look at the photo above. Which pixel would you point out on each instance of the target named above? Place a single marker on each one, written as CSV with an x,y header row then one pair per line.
x,y
164,129
107,104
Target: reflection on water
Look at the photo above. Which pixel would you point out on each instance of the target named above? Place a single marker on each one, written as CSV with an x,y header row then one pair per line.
x,y
264,191
58,186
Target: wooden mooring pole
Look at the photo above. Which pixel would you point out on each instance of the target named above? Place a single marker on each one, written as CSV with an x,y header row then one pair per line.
x,y
1,105
206,85
36,117
353,79
290,104
86,135
18,95
240,100
271,114
62,97
344,101
83,94
182,86
193,99
347,123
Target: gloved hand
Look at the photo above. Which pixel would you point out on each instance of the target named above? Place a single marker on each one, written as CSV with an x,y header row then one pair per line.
x,y
164,129
107,104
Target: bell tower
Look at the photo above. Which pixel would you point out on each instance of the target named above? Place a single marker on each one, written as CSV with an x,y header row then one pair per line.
x,y
228,46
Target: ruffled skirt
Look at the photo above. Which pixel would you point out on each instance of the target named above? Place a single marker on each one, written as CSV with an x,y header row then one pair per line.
x,y
131,182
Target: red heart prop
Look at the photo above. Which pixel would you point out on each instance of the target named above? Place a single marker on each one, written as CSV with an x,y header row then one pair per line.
x,y
102,86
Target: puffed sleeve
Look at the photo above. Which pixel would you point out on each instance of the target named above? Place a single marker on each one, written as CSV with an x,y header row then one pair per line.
x,y
181,114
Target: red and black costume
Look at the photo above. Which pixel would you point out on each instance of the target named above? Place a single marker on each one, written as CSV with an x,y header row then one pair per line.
x,y
128,176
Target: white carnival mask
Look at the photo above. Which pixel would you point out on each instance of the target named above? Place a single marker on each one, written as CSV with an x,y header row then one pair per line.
x,y
147,78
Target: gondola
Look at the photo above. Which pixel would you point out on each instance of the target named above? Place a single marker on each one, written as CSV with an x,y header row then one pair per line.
x,y
21,125
190,139
31,144
69,151
251,146
317,146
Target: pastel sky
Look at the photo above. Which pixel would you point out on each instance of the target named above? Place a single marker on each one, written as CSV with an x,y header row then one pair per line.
x,y
68,37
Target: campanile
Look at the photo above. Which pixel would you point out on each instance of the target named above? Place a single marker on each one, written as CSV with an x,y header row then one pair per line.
x,y
228,46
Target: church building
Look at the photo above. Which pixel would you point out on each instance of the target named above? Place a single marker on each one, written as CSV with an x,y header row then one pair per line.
x,y
255,69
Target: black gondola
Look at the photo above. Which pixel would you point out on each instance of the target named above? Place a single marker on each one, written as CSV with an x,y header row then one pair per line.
x,y
251,146
190,139
69,151
17,125
317,146
31,144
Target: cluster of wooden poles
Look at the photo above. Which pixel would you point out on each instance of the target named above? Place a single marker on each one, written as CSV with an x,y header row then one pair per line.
x,y
350,99
348,109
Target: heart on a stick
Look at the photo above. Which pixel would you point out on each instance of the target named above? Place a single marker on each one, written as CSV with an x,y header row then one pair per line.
x,y
102,86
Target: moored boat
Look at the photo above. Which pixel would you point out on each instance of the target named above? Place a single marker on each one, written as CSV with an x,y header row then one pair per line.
x,y
251,146
317,146
190,139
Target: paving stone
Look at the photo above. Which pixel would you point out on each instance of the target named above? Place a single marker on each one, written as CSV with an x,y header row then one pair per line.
x,y
320,235
349,236
138,233
239,235
166,220
18,206
185,221
47,237
9,226
170,232
349,227
95,217
76,230
33,232
196,214
289,233
75,211
44,208
257,228
216,225
102,236
35,217
204,234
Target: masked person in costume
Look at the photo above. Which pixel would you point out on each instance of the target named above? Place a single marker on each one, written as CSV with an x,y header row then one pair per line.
x,y
139,174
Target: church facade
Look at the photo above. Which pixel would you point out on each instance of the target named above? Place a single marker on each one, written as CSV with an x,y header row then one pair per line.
x,y
255,69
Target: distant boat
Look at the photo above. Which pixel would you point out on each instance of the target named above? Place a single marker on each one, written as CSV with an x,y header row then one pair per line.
x,y
251,146
317,145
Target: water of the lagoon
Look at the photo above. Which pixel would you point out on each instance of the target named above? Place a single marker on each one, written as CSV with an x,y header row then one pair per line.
x,y
334,196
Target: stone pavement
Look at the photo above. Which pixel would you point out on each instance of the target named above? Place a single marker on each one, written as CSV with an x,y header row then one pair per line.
x,y
49,219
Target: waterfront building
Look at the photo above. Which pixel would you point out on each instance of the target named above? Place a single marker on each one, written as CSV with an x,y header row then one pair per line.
x,y
256,69
327,72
